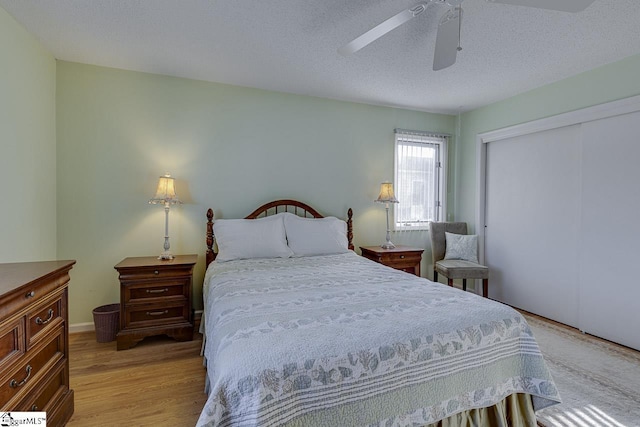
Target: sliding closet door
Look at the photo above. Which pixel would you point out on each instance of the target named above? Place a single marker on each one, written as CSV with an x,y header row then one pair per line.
x,y
532,222
610,261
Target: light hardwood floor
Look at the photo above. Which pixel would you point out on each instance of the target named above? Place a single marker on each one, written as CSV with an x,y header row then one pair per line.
x,y
159,382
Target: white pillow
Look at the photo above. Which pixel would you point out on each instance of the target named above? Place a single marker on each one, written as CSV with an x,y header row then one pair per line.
x,y
461,246
251,238
316,236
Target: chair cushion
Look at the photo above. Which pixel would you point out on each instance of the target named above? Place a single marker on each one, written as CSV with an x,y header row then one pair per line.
x,y
459,269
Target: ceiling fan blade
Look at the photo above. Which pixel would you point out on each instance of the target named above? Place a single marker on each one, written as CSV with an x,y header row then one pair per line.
x,y
573,6
447,39
382,29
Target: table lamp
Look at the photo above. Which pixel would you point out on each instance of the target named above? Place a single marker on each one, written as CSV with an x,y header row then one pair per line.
x,y
386,196
165,194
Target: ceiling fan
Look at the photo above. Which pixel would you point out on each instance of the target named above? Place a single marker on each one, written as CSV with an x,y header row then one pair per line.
x,y
448,35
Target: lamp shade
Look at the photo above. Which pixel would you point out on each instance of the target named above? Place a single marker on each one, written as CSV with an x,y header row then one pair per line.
x,y
386,194
166,191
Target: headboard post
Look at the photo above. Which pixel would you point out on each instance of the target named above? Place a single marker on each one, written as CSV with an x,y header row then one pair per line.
x,y
210,255
350,228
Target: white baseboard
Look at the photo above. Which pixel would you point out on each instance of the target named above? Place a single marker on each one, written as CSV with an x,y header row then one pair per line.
x,y
81,327
89,326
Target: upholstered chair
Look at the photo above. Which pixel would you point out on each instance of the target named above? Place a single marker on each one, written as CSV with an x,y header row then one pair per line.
x,y
454,268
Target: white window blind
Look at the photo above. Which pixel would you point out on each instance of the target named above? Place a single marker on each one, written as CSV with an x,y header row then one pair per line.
x,y
419,178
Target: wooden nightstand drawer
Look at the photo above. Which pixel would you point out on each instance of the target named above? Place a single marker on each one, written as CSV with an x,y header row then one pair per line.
x,y
149,292
402,258
155,298
155,315
153,273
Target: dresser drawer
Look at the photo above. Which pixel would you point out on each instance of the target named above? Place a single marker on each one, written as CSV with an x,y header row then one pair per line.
x,y
46,392
30,295
155,315
21,380
44,317
34,364
11,342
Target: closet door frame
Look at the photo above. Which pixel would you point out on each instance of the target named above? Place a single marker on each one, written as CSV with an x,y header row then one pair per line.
x,y
601,111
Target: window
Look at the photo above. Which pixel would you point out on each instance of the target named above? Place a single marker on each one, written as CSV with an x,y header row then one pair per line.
x,y
420,160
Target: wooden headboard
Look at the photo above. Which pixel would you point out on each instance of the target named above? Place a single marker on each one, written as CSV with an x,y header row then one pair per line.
x,y
272,208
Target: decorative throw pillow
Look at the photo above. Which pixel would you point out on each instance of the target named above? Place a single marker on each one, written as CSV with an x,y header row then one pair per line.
x,y
461,246
251,238
316,236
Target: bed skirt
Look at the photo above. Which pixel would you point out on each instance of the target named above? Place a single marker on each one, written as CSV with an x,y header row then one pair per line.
x,y
516,410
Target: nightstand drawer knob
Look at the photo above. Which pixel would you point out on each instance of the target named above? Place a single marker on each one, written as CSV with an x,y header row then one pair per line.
x,y
30,294
157,313
156,272
401,256
157,291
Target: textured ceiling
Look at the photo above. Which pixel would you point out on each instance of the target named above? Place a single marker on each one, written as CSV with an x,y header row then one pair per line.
x,y
291,45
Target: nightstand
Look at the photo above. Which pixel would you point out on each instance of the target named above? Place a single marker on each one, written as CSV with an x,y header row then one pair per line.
x,y
155,298
403,258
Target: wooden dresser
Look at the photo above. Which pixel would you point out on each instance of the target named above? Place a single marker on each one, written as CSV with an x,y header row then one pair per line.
x,y
155,298
403,258
34,339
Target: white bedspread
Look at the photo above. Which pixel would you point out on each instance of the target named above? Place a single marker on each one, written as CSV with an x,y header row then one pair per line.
x,y
341,340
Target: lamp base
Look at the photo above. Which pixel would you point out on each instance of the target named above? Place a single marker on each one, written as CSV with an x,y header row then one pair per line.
x,y
387,245
166,255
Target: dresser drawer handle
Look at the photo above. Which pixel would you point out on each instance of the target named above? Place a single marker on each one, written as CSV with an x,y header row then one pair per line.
x,y
157,313
34,408
15,384
39,321
401,256
156,272
30,294
157,291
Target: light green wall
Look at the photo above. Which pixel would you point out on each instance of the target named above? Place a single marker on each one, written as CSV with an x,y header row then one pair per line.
x,y
27,146
608,83
230,148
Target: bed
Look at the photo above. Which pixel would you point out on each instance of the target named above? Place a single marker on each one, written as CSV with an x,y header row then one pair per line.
x,y
318,336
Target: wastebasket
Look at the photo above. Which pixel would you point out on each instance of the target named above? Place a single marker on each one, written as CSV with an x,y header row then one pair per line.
x,y
106,319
